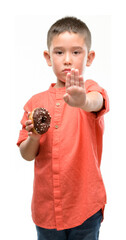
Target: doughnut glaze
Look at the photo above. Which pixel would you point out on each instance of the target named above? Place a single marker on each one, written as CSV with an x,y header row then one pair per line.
x,y
41,120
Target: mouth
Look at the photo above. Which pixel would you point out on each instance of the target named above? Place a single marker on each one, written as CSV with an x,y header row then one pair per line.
x,y
66,70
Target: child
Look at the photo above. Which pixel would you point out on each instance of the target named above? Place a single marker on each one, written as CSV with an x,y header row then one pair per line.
x,y
69,194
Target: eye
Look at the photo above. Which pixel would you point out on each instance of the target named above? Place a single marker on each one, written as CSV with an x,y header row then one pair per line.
x,y
59,52
76,52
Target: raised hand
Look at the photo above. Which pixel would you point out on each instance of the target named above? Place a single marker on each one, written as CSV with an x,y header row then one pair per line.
x,y
75,94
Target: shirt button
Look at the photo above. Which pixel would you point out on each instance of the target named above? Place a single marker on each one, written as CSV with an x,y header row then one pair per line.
x,y
56,126
57,104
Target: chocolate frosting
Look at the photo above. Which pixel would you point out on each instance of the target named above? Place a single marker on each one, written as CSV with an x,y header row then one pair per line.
x,y
41,120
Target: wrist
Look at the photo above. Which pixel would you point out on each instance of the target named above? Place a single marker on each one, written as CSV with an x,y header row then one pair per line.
x,y
87,105
34,138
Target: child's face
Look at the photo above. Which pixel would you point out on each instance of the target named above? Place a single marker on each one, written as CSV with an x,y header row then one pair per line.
x,y
67,51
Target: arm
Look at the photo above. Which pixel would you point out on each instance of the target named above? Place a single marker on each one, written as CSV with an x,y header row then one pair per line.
x,y
76,96
29,148
94,102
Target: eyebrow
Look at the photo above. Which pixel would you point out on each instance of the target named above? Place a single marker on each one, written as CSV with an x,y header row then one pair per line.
x,y
77,47
74,47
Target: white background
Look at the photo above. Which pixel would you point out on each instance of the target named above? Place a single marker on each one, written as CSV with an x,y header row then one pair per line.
x,y
24,25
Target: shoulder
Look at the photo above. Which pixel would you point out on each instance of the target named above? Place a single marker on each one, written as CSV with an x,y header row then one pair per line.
x,y
39,95
36,101
91,85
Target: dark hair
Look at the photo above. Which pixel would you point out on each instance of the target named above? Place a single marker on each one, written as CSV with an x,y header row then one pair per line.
x,y
69,24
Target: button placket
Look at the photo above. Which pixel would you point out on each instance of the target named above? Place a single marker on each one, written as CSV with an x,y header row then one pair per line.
x,y
56,162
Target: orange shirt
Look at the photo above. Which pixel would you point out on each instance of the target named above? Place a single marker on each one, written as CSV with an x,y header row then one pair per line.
x,y
68,186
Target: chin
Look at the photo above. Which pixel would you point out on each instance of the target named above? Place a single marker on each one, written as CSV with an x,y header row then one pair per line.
x,y
62,80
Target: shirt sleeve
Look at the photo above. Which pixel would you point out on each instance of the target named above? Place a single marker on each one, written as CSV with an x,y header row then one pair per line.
x,y
91,86
23,134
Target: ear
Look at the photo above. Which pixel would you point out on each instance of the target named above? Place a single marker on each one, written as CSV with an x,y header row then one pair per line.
x,y
90,58
47,58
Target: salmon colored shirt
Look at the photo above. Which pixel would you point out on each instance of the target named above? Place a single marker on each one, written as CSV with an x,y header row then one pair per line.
x,y
68,186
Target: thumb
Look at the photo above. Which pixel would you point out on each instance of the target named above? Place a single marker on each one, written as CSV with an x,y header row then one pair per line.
x,y
66,97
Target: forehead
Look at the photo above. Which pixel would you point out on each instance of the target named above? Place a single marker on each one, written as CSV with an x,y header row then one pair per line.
x,y
68,39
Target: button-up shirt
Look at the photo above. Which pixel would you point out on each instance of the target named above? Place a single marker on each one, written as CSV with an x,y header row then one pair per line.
x,y
68,186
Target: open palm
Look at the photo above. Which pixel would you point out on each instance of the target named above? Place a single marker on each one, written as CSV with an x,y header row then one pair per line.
x,y
75,94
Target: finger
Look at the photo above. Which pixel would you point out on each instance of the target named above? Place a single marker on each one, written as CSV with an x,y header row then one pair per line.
x,y
68,78
81,81
76,77
30,134
66,97
29,127
29,114
28,122
72,76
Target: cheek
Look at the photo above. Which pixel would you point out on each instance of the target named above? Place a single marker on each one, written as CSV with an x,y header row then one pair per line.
x,y
56,69
79,65
54,62
56,65
82,63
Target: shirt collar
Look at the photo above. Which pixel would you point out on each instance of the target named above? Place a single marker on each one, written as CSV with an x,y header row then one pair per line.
x,y
56,90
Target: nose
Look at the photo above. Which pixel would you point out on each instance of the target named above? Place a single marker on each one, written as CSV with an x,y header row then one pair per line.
x,y
67,59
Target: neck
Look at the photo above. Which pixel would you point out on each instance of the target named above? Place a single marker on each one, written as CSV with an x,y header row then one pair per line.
x,y
59,84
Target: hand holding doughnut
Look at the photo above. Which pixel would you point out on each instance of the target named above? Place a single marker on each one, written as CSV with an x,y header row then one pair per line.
x,y
29,127
40,118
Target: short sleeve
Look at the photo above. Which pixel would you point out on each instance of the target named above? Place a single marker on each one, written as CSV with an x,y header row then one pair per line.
x,y
91,86
23,134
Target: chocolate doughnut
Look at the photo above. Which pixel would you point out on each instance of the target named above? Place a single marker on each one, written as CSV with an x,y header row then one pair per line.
x,y
41,120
